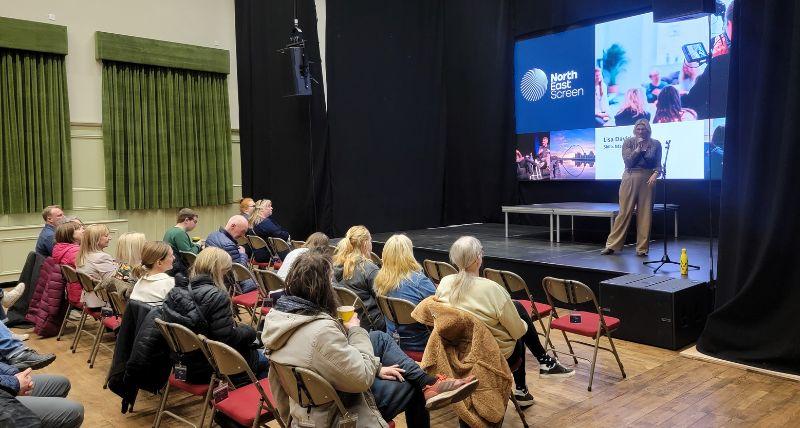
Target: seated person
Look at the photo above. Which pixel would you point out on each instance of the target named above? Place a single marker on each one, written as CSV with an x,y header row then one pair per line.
x,y
95,262
317,241
14,352
129,255
44,244
401,277
202,305
178,237
265,227
302,331
8,298
632,109
42,395
68,244
225,239
508,321
246,207
154,283
353,269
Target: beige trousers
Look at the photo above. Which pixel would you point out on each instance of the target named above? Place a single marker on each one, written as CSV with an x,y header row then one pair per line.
x,y
633,192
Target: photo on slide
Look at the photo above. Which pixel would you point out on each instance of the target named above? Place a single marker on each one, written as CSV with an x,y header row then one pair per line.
x,y
572,154
533,156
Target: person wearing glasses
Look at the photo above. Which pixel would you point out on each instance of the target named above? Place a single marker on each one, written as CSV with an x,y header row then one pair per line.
x,y
178,237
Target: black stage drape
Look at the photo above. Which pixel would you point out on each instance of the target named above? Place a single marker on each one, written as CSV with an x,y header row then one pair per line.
x,y
759,289
281,136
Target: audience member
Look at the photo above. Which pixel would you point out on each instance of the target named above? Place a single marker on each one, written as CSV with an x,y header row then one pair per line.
x,y
68,244
8,298
202,305
42,394
655,86
129,255
600,99
153,283
178,237
317,241
353,269
401,277
302,331
632,108
246,207
51,215
668,107
15,353
225,238
508,321
95,262
266,227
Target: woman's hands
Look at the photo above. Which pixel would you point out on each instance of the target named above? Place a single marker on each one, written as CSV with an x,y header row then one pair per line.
x,y
392,373
652,180
354,322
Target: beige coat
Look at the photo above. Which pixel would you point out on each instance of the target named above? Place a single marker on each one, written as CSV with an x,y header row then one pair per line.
x,y
345,359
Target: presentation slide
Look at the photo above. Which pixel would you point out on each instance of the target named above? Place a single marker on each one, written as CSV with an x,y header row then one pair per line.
x,y
579,93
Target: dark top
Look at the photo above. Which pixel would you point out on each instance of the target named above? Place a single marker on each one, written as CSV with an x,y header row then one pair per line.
x,y
627,117
47,238
650,158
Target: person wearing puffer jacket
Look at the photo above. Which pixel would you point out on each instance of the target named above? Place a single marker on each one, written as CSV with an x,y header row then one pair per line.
x,y
68,243
225,238
202,305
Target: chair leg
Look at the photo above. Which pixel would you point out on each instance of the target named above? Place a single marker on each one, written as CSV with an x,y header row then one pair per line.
x,y
108,376
594,359
78,332
161,406
519,410
569,345
547,339
96,345
206,401
63,323
616,355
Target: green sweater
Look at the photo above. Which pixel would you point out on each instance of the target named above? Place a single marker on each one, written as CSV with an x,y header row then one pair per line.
x,y
179,240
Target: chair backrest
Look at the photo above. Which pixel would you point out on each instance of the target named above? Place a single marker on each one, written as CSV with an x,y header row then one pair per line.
x,y
256,242
118,302
69,274
188,258
242,240
87,283
509,280
180,339
278,245
297,244
348,297
305,387
269,280
396,310
228,361
241,273
568,291
437,270
375,259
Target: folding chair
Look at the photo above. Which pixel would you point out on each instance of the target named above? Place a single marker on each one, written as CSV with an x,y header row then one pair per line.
x,y
250,300
514,283
268,281
297,244
399,311
375,259
249,405
120,303
278,245
592,324
88,285
69,274
257,243
437,270
349,297
188,258
110,322
182,341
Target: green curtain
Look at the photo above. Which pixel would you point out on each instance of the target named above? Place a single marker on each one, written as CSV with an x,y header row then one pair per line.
x,y
35,168
167,137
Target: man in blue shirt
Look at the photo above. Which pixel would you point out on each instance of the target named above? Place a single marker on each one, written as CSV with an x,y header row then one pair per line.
x,y
47,237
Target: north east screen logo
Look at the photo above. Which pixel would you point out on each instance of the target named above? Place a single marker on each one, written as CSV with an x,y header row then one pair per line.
x,y
534,85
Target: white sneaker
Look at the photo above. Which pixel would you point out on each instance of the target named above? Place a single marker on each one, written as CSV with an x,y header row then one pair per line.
x,y
21,337
11,297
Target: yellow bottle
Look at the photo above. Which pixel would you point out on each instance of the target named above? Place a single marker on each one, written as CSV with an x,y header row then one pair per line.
x,y
684,262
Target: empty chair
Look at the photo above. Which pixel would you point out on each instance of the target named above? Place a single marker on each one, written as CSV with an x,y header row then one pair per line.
x,y
249,405
250,301
188,258
297,244
258,243
278,245
437,270
399,311
268,281
592,324
110,320
181,340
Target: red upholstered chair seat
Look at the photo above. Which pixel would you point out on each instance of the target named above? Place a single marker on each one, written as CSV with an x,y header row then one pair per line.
x,y
543,308
242,403
277,265
260,265
191,388
94,313
391,424
590,322
247,299
112,323
415,355
265,310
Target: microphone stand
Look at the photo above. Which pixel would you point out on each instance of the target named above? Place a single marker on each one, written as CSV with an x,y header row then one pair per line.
x,y
665,260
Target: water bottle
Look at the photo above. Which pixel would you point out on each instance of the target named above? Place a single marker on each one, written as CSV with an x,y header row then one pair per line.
x,y
684,262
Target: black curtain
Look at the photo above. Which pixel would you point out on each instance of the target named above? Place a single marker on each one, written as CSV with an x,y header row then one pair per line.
x,y
284,146
759,289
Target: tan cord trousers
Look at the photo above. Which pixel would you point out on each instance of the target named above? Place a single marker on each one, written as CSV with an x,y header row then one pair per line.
x,y
633,192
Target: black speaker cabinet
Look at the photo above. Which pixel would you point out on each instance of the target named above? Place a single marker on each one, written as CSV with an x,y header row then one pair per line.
x,y
656,310
677,10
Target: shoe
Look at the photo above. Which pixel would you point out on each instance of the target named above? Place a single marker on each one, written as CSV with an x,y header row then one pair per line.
x,y
11,297
524,398
21,337
555,369
641,254
447,391
28,358
607,251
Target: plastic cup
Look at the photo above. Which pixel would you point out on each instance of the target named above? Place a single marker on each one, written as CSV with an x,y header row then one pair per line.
x,y
346,312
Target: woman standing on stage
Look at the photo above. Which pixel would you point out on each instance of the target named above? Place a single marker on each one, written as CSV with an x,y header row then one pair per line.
x,y
642,157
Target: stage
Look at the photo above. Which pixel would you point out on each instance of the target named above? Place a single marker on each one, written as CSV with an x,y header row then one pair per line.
x,y
528,252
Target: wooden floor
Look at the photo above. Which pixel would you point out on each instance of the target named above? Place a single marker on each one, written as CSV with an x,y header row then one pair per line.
x,y
662,389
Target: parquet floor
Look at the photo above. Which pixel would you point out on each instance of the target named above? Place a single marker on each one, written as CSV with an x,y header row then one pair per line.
x,y
662,389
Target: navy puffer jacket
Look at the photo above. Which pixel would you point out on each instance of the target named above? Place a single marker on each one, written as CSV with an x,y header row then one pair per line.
x,y
223,240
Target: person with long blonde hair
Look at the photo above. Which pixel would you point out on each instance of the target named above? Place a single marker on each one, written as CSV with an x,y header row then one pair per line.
x,y
353,269
401,277
129,255
153,282
202,304
95,262
632,109
266,227
507,319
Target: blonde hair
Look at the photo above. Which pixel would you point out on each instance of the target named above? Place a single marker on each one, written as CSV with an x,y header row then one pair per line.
x,y
464,253
634,101
152,252
214,262
348,250
255,217
129,248
90,243
398,264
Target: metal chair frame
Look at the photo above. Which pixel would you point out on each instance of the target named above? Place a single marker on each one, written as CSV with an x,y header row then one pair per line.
x,y
436,270
306,387
257,243
242,273
350,298
278,245
88,284
375,258
576,293
188,258
70,276
106,296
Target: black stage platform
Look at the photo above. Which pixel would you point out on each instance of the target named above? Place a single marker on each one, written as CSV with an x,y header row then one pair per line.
x,y
529,253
